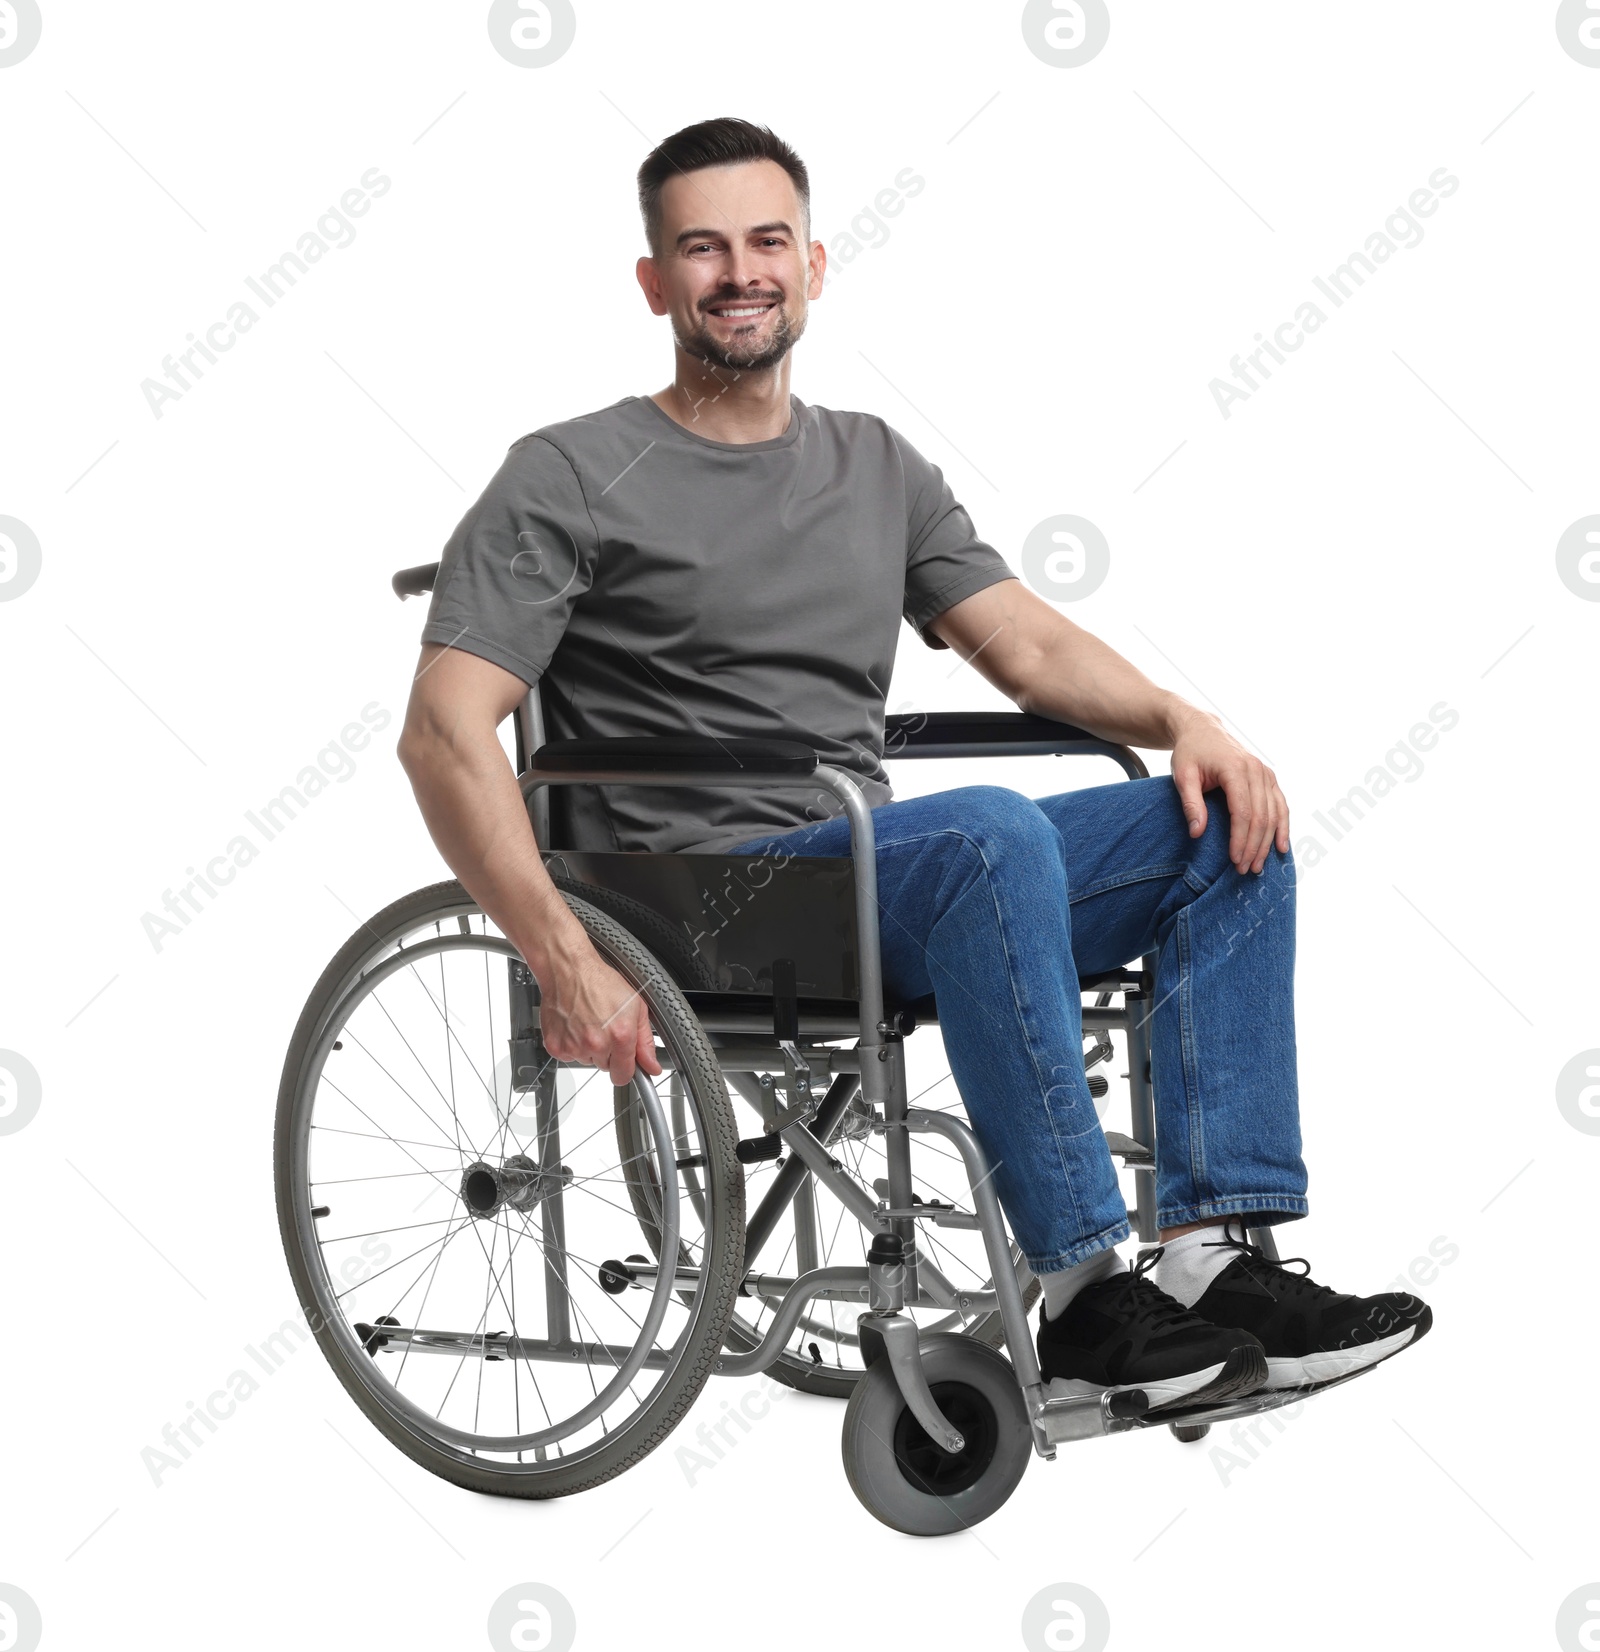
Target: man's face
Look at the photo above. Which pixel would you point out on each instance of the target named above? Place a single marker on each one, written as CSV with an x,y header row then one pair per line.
x,y
736,272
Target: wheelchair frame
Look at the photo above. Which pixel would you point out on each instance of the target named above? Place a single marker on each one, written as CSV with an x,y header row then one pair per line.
x,y
893,1394
896,1275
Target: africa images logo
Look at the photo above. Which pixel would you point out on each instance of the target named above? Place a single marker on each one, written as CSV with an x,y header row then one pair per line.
x,y
20,28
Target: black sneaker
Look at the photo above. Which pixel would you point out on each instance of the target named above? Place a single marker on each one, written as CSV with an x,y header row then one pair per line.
x,y
1311,1332
1125,1333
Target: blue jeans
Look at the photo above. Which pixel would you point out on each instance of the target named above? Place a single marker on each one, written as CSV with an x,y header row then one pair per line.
x,y
997,902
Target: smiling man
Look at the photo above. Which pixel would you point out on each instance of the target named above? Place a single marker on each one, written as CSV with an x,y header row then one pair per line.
x,y
722,558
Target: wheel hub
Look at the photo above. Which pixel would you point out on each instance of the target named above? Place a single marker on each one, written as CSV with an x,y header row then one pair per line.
x,y
517,1182
856,1122
942,1473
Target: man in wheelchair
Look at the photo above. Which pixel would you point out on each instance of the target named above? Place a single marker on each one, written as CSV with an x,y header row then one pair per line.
x,y
722,559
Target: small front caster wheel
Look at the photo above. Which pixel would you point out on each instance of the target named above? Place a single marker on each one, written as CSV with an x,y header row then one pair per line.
x,y
912,1484
1190,1432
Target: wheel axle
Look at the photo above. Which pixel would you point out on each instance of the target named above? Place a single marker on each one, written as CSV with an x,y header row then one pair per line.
x,y
519,1183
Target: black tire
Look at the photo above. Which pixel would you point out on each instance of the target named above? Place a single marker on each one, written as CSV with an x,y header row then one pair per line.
x,y
666,943
1189,1432
906,1481
702,1339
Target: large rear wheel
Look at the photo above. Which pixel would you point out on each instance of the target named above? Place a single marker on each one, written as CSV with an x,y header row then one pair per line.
x,y
451,1202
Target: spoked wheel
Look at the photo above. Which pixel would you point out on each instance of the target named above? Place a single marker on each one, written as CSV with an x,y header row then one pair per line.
x,y
452,1203
910,1483
815,1230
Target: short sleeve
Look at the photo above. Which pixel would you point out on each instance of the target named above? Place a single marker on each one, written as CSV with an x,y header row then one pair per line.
x,y
516,563
946,562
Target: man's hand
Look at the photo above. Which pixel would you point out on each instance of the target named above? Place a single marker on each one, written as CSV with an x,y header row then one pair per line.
x,y
1204,755
1053,668
590,1014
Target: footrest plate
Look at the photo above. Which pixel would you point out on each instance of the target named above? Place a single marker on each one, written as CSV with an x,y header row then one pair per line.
x,y
1250,1405
1127,1149
1064,1416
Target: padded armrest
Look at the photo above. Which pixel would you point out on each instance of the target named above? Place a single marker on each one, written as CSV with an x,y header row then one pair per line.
x,y
906,732
678,753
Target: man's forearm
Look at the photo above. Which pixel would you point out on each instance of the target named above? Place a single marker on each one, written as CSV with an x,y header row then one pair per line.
x,y
475,814
1080,680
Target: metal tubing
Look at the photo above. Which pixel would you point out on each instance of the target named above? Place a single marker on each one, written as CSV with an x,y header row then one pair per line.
x,y
897,1149
552,1214
785,1320
758,1229
685,1277
530,778
761,1058
825,1061
733,1023
1083,1417
900,1348
1131,765
864,853
849,1193
925,1278
1141,1097
805,1224
1013,1316
757,1023
776,1286
472,1345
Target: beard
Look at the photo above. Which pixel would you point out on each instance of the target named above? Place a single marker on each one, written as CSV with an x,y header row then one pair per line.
x,y
764,349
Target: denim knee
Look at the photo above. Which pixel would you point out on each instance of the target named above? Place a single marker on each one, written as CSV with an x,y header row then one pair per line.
x,y
1004,824
1209,858
994,834
1208,853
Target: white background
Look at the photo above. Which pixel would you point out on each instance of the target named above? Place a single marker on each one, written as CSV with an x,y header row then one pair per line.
x,y
1364,538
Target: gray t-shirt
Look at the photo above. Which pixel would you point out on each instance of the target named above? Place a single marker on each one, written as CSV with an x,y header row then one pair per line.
x,y
658,582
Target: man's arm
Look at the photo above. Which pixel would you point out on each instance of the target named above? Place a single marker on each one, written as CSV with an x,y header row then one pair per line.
x,y
474,810
1054,668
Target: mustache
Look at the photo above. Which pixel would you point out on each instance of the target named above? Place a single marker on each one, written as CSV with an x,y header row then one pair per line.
x,y
739,299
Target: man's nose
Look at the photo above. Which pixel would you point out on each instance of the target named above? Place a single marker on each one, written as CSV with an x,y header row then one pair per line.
x,y
740,273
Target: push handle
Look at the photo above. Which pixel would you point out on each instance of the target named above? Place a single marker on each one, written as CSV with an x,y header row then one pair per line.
x,y
415,582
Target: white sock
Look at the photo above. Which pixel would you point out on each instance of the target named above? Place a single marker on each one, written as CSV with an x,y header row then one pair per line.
x,y
1061,1286
1191,1261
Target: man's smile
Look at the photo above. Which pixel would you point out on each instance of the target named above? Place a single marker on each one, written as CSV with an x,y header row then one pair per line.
x,y
741,312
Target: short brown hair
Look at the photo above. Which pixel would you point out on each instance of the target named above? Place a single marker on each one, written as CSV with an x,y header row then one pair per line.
x,y
722,142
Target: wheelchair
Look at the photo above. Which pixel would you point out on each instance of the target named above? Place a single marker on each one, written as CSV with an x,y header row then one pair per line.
x,y
424,1139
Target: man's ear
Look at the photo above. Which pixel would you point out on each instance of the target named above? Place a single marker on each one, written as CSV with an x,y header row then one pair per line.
x,y
817,257
649,279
